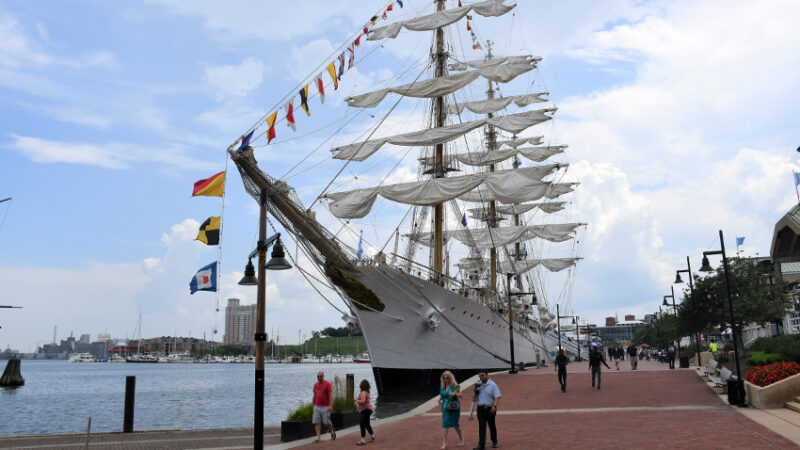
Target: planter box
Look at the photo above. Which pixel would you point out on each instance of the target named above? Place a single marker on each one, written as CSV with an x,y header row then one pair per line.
x,y
292,431
773,396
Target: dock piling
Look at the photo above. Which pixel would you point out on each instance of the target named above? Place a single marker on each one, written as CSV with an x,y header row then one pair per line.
x,y
130,394
12,376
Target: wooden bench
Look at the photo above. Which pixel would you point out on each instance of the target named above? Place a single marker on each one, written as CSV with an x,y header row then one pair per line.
x,y
710,368
722,380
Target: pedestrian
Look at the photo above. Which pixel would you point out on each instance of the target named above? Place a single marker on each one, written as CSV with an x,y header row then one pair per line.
x,y
488,399
713,347
364,410
323,393
671,356
617,354
595,359
632,354
449,395
561,365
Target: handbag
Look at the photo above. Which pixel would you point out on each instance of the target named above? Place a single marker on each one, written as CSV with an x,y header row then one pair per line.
x,y
453,405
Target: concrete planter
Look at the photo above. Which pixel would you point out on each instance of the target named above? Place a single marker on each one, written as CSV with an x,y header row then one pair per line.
x,y
773,396
292,431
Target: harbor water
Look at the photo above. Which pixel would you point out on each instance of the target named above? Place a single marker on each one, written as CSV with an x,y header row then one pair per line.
x,y
59,397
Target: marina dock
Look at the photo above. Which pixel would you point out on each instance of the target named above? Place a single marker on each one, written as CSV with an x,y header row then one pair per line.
x,y
652,407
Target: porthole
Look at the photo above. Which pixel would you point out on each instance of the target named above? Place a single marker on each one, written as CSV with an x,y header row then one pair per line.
x,y
487,320
452,308
472,315
478,318
464,313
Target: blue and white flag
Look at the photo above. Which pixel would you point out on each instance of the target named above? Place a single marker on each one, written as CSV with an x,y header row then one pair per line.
x,y
464,219
796,178
205,279
739,241
360,246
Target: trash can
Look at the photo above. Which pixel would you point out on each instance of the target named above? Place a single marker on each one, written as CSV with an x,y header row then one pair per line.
x,y
684,362
736,392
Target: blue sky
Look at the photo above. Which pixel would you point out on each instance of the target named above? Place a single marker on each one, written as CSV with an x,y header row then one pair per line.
x,y
680,116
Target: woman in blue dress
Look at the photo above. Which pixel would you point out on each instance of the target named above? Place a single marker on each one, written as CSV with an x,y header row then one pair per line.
x,y
450,392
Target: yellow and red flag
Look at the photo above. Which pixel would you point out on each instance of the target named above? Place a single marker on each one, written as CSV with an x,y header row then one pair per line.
x,y
210,187
332,71
271,124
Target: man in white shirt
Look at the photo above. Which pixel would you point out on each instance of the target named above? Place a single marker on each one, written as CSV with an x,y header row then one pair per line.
x,y
488,398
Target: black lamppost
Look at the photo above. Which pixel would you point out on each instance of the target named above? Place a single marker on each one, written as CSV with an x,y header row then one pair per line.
x,y
706,267
574,322
678,279
510,323
277,262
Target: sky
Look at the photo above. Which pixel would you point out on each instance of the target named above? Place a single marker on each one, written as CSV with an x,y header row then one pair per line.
x,y
680,116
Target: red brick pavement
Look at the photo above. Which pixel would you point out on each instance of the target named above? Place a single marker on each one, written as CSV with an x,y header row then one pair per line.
x,y
649,408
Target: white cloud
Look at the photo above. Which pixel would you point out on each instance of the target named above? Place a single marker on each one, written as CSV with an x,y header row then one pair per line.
x,y
236,80
109,156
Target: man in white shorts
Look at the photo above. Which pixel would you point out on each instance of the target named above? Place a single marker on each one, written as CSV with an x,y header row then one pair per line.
x,y
323,393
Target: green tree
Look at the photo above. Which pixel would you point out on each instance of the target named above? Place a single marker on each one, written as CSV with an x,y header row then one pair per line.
x,y
757,296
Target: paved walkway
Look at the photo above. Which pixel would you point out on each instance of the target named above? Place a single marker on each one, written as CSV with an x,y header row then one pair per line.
x,y
652,408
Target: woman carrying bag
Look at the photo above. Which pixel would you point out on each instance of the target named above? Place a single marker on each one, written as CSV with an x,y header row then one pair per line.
x,y
451,406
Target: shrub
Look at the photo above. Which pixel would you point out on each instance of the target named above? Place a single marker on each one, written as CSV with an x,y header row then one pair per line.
x,y
771,373
303,412
756,358
340,401
787,345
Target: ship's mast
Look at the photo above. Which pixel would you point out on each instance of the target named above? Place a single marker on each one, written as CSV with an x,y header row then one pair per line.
x,y
492,144
439,112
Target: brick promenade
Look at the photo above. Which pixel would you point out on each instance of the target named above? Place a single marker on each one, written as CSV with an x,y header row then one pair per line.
x,y
652,408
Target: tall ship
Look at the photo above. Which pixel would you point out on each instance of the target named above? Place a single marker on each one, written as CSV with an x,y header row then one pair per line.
x,y
456,274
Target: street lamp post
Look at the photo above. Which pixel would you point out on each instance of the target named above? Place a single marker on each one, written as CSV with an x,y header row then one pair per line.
x,y
706,267
510,323
277,262
678,279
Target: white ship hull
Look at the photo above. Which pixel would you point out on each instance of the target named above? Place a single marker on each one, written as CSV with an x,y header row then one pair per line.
x,y
408,352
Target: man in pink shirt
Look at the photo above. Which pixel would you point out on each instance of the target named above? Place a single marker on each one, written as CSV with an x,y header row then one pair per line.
x,y
323,393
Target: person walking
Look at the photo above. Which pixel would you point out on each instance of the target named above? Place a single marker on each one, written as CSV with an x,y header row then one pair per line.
x,y
617,355
632,354
364,410
488,399
323,393
671,356
449,395
595,359
561,366
713,347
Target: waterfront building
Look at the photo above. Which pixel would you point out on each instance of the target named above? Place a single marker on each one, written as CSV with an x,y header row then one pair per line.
x,y
621,332
240,323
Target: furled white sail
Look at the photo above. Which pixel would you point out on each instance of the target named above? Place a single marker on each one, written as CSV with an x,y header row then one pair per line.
x,y
436,87
537,154
552,264
516,142
486,238
532,191
522,208
513,123
526,59
502,184
488,8
493,105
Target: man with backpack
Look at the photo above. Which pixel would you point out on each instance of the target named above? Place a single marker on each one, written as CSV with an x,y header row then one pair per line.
x,y
595,359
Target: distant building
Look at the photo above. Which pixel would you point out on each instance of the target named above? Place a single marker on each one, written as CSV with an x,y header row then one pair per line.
x,y
85,339
240,323
629,317
611,321
785,255
620,332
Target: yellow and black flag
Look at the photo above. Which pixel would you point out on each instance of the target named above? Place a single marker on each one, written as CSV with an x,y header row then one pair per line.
x,y
304,100
209,231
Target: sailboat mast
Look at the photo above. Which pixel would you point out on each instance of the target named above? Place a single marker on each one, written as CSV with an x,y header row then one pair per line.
x,y
439,112
492,143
